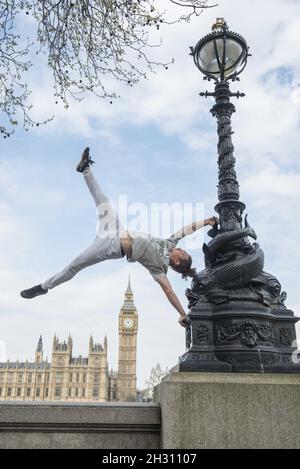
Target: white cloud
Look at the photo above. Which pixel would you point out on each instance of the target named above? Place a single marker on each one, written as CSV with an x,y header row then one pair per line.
x,y
170,98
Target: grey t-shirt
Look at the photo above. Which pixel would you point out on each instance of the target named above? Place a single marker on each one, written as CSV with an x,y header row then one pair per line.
x,y
152,253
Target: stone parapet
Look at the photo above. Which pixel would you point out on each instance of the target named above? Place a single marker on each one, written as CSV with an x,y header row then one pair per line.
x,y
82,426
229,410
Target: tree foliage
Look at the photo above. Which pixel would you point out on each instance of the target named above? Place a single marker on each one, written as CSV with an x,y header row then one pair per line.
x,y
84,41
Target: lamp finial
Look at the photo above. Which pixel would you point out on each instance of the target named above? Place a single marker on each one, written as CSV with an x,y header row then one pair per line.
x,y
219,24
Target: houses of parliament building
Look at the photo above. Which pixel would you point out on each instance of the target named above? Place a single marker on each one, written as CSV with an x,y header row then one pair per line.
x,y
69,378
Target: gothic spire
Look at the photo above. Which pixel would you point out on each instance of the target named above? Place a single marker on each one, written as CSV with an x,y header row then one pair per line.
x,y
40,345
128,300
129,291
91,343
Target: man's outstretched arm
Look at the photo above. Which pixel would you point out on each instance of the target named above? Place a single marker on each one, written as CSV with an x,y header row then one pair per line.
x,y
172,297
196,225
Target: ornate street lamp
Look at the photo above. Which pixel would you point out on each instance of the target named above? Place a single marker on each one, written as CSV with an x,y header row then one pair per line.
x,y
238,320
221,55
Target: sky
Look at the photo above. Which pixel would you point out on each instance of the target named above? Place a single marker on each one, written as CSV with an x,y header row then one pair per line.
x,y
156,144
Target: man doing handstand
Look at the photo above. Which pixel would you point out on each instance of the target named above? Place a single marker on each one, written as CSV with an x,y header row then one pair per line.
x,y
113,242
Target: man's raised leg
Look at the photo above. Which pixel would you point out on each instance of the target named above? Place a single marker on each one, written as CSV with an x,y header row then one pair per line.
x,y
109,223
106,245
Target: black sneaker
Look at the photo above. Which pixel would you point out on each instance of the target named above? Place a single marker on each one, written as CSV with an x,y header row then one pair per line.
x,y
85,161
34,291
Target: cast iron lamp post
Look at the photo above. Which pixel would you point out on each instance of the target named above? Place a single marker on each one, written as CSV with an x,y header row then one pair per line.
x,y
238,320
221,56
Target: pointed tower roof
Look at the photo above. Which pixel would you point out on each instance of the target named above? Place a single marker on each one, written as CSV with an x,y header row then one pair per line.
x,y
128,304
129,291
40,345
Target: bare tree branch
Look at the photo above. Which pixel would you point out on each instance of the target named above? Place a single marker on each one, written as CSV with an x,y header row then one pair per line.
x,y
85,42
196,4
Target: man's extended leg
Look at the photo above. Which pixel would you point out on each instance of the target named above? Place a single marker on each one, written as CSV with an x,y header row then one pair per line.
x,y
100,250
94,188
106,245
109,224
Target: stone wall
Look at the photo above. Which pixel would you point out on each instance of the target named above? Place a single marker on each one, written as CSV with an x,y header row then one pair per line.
x,y
229,410
193,411
82,426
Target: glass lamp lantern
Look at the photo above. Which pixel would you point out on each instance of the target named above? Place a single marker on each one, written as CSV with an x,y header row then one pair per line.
x,y
222,54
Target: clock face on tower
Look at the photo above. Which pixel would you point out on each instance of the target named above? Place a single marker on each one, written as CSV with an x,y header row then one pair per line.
x,y
128,323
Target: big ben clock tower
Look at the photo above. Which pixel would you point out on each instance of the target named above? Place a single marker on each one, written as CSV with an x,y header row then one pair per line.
x,y
128,326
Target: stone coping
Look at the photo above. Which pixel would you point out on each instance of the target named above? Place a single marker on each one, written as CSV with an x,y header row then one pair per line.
x,y
79,417
239,378
61,403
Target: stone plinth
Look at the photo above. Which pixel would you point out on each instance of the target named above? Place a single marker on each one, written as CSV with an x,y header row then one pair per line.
x,y
81,426
229,410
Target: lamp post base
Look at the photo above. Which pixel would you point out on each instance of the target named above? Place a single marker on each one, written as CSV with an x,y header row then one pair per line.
x,y
202,361
240,336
